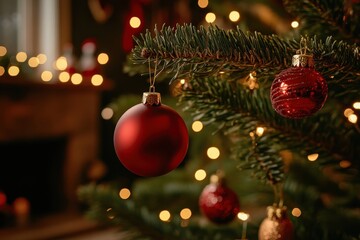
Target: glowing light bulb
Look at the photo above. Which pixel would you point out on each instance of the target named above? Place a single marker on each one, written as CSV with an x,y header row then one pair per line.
x,y
313,157
97,80
2,70
135,22
243,216
64,77
124,193
42,58
294,24
352,118
200,174
107,113
185,213
213,152
296,212
21,57
13,71
260,131
33,62
164,215
3,51
348,112
61,63
356,105
76,78
197,126
46,76
203,3
234,16
103,58
344,163
210,17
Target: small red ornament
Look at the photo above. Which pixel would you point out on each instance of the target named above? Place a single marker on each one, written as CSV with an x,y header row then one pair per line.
x,y
150,138
277,226
299,91
218,202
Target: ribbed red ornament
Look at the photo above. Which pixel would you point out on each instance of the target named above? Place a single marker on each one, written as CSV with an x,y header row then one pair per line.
x,y
276,226
218,202
299,91
150,138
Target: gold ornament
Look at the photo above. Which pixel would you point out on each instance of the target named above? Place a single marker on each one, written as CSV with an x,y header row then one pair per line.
x,y
277,226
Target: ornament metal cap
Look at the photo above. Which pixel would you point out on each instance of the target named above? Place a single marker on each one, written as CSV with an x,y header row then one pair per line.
x,y
151,98
303,60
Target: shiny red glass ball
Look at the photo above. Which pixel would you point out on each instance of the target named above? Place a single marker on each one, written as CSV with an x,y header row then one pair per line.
x,y
151,140
219,203
298,92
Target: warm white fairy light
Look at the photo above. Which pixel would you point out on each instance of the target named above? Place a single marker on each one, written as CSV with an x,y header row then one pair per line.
x,y
296,212
352,118
97,80
210,17
313,157
200,174
203,3
61,63
2,70
164,215
46,76
21,56
13,71
124,193
42,58
185,213
294,24
243,216
234,16
213,152
33,62
76,78
3,51
197,126
103,58
64,77
260,131
135,22
348,112
356,105
107,113
182,81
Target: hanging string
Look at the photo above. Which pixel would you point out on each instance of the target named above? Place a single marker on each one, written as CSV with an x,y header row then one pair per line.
x,y
152,79
303,47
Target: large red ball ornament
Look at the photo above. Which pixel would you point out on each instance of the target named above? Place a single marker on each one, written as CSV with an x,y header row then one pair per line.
x,y
277,226
299,91
218,202
150,138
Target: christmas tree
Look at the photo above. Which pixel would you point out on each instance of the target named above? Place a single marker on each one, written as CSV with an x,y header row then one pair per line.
x,y
280,110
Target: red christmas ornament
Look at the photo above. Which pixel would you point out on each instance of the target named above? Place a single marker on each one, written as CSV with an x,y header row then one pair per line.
x,y
277,226
299,91
150,138
218,202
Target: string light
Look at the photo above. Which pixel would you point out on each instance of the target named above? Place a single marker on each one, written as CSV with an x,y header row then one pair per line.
x,y
33,62
352,118
197,126
61,63
164,215
296,212
3,51
213,152
46,76
356,105
124,193
21,57
344,163
2,70
348,112
107,113
203,3
13,71
294,24
97,80
234,16
260,131
200,174
42,58
135,22
76,78
103,58
185,213
210,17
313,157
64,77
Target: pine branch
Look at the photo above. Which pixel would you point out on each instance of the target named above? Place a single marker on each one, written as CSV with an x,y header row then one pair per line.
x,y
330,18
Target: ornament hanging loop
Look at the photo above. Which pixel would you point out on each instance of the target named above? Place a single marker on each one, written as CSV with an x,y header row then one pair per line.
x,y
152,97
302,58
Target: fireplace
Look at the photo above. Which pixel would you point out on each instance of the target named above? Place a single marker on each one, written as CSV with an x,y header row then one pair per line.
x,y
49,135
